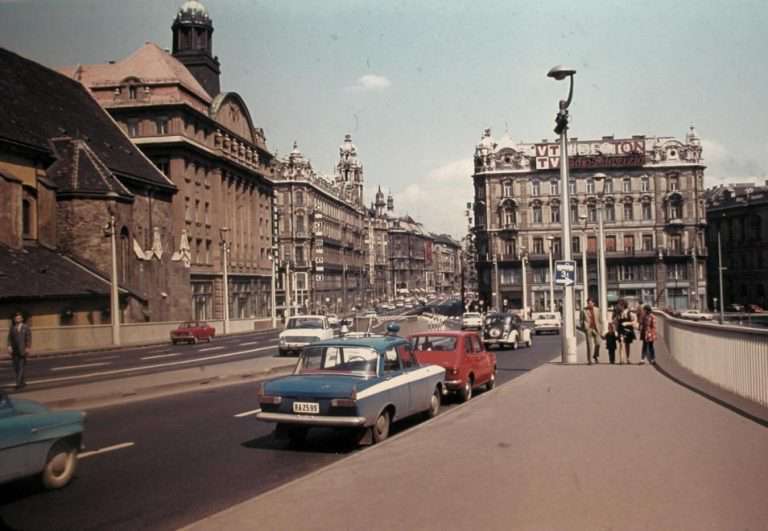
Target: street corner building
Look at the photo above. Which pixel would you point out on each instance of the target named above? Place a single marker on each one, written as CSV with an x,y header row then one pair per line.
x,y
69,176
170,104
649,192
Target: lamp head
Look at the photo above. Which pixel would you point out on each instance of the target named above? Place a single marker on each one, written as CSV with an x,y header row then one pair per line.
x,y
583,218
599,176
560,72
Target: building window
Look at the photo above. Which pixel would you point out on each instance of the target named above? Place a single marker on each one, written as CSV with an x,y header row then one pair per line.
x,y
676,243
299,198
187,210
627,185
592,244
197,211
535,188
538,246
574,213
510,247
26,218
206,219
592,214
554,187
299,224
537,214
628,211
207,251
557,248
555,213
509,217
133,91
608,187
610,213
162,126
647,242
674,183
610,244
644,186
575,244
572,186
164,166
646,211
507,186
590,186
133,128
629,244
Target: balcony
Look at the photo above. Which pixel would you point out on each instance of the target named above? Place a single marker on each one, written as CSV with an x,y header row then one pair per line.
x,y
509,228
675,223
508,258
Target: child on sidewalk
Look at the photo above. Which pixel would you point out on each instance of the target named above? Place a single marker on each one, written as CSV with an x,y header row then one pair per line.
x,y
610,344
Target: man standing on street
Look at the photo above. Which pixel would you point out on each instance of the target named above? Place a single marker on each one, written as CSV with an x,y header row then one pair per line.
x,y
19,343
593,328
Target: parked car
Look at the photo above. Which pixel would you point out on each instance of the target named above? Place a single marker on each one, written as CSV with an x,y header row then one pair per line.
x,y
754,308
736,308
301,330
546,322
506,330
363,384
333,320
696,315
468,365
471,320
192,332
37,441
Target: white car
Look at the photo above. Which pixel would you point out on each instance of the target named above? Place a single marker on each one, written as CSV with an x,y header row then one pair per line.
x,y
696,315
301,330
546,322
471,320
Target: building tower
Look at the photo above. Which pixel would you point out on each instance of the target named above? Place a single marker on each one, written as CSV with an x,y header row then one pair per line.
x,y
380,204
390,202
349,172
193,45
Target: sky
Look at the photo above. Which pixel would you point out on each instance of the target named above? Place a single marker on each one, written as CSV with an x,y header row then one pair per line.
x,y
416,82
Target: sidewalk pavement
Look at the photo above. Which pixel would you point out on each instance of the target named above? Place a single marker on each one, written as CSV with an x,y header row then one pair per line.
x,y
144,386
562,447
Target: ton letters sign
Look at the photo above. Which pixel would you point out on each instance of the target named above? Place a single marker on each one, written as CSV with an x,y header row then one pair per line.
x,y
593,154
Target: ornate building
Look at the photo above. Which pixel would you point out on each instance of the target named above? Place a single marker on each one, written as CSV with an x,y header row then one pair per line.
x,y
322,233
66,172
204,141
738,213
650,190
446,256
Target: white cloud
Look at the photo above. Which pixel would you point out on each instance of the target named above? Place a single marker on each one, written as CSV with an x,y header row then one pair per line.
x,y
370,83
725,166
439,199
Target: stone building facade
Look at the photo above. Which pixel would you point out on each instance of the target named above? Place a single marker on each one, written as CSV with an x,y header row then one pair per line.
x,y
446,257
67,170
651,193
738,213
321,234
206,143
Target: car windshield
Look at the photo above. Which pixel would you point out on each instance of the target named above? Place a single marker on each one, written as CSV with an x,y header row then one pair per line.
x,y
304,322
471,315
495,319
363,360
434,343
543,316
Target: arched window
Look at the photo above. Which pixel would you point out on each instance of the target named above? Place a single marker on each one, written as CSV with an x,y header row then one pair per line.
x,y
509,216
507,189
537,214
644,184
590,186
300,223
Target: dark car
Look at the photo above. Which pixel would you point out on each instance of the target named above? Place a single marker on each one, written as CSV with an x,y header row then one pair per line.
x,y
192,332
506,330
736,308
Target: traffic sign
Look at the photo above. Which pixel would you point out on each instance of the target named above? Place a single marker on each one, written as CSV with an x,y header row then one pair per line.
x,y
565,272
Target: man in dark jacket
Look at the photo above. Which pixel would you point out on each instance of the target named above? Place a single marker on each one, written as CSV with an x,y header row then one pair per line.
x,y
19,343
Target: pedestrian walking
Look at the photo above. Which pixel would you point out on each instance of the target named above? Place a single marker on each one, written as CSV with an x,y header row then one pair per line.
x,y
611,340
626,328
593,328
19,343
648,334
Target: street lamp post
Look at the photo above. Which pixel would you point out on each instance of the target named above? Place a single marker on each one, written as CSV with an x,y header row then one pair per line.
x,y
584,265
523,262
550,239
114,300
720,270
497,295
225,252
569,332
273,297
602,280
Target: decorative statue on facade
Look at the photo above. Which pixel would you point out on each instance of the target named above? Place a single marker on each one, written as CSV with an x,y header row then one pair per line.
x,y
184,253
484,151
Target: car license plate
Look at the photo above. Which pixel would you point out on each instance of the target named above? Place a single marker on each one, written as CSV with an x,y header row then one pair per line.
x,y
306,407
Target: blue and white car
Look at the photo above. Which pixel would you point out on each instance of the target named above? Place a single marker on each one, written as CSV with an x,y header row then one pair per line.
x,y
37,441
363,384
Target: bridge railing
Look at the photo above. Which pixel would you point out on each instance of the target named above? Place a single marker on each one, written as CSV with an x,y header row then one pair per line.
x,y
732,357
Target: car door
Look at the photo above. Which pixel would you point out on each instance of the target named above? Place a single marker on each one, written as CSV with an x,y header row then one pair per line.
x,y
420,390
483,360
15,434
398,389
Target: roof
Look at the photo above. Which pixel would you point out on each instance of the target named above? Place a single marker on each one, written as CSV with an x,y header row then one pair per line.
x,y
149,64
379,343
39,273
40,104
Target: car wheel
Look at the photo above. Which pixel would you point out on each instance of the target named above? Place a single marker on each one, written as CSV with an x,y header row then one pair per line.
x,y
492,381
466,392
194,340
381,427
60,465
515,345
529,343
434,404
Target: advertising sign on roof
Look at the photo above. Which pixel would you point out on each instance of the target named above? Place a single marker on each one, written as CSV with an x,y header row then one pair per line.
x,y
606,153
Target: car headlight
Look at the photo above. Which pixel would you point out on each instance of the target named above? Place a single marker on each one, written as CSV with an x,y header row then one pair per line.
x,y
282,341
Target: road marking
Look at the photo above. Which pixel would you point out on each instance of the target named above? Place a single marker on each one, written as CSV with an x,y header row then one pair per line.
x,y
107,358
209,348
106,449
249,343
84,365
161,356
155,366
247,413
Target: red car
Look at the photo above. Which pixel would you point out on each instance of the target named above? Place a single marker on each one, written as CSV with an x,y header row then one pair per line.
x,y
192,332
467,364
754,308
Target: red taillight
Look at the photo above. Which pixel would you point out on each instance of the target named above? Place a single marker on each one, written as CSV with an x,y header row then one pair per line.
x,y
343,402
269,399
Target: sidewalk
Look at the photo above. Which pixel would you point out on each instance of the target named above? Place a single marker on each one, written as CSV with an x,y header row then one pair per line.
x,y
563,447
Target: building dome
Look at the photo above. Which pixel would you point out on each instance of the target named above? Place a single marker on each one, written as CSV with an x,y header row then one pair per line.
x,y
193,8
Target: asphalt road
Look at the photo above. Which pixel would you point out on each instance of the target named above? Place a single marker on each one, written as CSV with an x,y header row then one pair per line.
x,y
168,462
